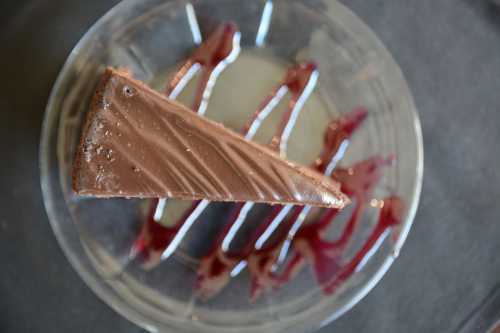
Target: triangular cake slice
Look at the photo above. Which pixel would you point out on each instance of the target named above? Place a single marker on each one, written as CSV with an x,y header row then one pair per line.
x,y
137,143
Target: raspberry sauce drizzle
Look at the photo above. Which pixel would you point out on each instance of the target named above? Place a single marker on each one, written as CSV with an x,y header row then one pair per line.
x,y
310,244
299,80
220,49
391,215
261,261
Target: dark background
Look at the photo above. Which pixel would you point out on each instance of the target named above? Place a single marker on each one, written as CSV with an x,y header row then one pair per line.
x,y
445,279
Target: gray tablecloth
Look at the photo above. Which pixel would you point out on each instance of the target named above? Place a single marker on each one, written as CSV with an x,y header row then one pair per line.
x,y
447,273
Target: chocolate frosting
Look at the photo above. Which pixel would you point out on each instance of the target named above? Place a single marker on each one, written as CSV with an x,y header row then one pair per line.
x,y
137,143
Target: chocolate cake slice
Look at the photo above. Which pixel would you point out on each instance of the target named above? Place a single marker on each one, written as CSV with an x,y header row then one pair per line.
x,y
137,143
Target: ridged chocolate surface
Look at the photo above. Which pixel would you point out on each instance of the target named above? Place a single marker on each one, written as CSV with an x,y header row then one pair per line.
x,y
137,143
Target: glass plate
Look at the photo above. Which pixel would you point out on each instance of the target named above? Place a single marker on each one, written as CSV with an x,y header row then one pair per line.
x,y
152,37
